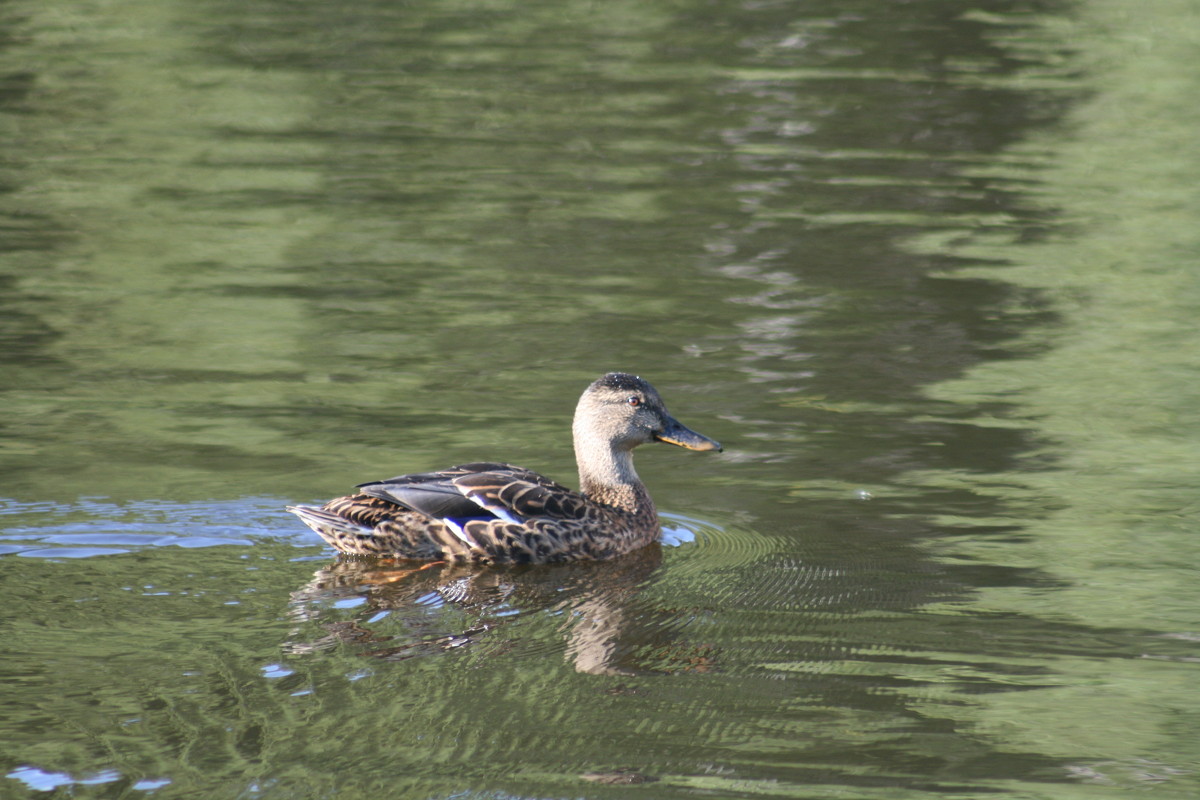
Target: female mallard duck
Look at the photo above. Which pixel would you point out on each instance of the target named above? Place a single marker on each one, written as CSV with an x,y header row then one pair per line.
x,y
497,513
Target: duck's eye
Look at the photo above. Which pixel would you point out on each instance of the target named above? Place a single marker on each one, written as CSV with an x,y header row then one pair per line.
x,y
634,400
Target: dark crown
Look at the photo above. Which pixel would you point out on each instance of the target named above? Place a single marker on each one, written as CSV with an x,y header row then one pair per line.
x,y
622,382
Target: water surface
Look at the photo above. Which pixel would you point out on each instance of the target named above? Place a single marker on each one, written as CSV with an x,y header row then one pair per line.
x,y
926,271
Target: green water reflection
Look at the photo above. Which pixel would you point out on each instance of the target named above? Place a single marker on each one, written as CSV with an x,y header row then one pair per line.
x,y
927,271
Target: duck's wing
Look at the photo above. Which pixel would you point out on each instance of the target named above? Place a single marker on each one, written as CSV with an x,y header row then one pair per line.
x,y
517,495
483,489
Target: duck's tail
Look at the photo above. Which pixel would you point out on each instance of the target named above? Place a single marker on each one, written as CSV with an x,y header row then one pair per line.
x,y
334,529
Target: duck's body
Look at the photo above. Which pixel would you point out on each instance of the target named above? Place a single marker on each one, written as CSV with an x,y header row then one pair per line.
x,y
498,513
490,513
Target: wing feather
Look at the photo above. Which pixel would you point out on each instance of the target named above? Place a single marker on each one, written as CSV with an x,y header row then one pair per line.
x,y
519,495
470,491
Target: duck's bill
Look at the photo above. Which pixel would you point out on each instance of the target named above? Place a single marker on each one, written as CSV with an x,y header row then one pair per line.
x,y
677,434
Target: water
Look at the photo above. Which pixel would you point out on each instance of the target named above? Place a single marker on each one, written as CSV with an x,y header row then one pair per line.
x,y
928,272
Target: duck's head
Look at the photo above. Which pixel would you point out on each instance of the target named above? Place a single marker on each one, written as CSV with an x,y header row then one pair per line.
x,y
624,411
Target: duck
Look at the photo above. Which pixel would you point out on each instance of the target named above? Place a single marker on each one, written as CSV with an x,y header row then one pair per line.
x,y
497,513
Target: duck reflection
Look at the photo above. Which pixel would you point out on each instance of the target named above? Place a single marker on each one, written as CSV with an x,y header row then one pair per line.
x,y
396,608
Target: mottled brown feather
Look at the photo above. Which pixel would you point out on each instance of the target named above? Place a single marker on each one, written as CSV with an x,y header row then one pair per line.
x,y
512,514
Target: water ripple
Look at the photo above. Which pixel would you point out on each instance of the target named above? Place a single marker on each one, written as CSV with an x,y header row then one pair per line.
x,y
716,544
94,527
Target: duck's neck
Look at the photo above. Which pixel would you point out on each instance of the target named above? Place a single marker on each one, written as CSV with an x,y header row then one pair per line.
x,y
607,476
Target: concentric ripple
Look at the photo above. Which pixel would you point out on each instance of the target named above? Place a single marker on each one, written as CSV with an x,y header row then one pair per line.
x,y
705,544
